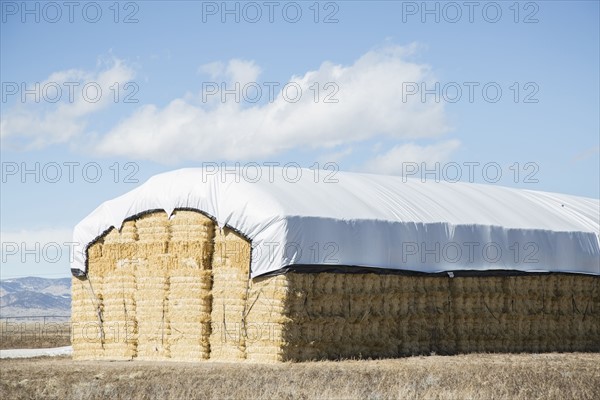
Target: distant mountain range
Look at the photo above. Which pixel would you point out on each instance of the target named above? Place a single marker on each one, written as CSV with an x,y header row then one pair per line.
x,y
33,296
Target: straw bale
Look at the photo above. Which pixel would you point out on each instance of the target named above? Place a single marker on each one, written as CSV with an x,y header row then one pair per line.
x,y
115,251
119,311
190,312
230,273
153,219
113,236
190,226
151,276
94,253
129,231
153,228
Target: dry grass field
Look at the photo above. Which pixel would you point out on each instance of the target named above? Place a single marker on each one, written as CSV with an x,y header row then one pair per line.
x,y
34,335
474,376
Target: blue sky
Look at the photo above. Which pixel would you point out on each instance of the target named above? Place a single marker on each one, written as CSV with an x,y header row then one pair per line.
x,y
377,67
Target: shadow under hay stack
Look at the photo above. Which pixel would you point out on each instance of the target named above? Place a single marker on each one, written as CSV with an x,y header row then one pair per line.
x,y
181,288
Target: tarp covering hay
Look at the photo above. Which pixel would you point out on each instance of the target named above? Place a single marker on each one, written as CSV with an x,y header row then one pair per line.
x,y
175,282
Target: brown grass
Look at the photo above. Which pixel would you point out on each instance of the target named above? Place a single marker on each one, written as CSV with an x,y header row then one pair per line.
x,y
34,335
474,376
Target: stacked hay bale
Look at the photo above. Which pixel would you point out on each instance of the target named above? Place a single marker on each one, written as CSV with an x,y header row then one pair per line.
x,y
189,306
231,280
266,317
118,288
182,289
103,305
151,286
86,309
337,315
152,276
555,312
303,316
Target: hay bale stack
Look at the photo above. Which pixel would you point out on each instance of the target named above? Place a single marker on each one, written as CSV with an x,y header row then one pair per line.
x,y
336,315
266,317
351,315
152,284
152,278
89,330
117,290
479,314
118,245
103,304
526,313
87,307
179,289
86,337
153,234
151,298
189,310
191,236
230,272
119,311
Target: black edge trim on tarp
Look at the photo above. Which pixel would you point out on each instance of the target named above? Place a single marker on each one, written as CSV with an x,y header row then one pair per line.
x,y
351,269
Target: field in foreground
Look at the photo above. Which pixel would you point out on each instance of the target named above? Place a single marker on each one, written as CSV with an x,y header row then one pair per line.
x,y
474,376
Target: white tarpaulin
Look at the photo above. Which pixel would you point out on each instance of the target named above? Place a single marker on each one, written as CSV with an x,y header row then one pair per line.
x,y
305,217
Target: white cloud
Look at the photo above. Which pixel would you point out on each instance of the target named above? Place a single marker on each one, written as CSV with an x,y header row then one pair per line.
x,y
62,105
243,71
393,160
369,105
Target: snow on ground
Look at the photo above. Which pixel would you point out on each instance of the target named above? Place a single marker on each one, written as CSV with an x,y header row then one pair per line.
x,y
27,353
